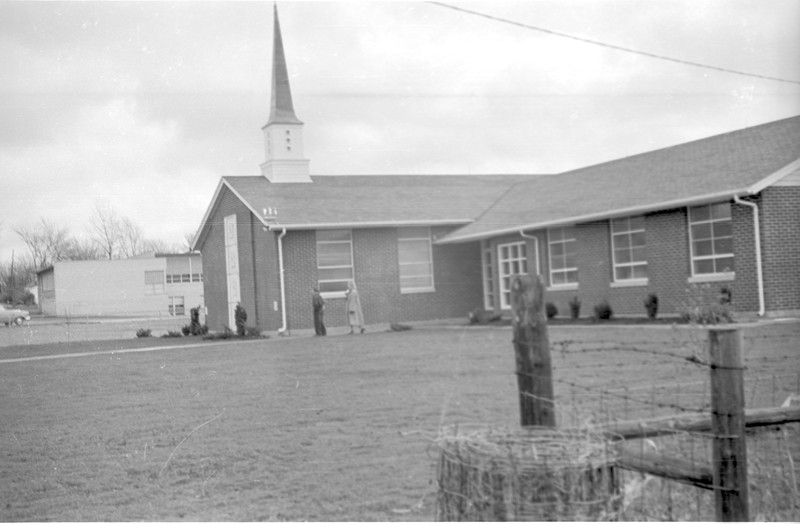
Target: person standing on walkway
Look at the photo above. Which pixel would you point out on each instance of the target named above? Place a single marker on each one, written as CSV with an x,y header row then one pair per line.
x,y
318,304
354,313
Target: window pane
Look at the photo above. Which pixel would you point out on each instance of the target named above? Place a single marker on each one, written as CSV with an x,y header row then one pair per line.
x,y
639,254
557,250
415,282
328,287
619,224
723,246
703,248
723,264
572,276
344,273
638,239
623,272
703,266
622,241
408,270
622,256
570,260
722,229
414,251
570,247
559,278
333,255
640,271
721,211
699,213
701,231
328,235
557,263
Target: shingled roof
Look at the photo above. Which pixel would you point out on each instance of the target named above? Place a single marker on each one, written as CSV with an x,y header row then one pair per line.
x,y
739,163
368,200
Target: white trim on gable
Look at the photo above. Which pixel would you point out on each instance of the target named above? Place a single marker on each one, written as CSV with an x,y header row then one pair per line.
x,y
788,175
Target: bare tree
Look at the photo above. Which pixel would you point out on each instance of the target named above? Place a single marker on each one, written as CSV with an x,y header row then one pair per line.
x,y
105,223
46,242
131,241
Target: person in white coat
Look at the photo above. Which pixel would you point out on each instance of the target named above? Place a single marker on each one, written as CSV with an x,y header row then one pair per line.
x,y
355,315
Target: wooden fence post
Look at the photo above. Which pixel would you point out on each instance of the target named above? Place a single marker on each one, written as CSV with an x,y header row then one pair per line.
x,y
532,351
729,455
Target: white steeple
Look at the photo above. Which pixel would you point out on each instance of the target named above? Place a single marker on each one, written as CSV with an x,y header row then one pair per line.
x,y
283,132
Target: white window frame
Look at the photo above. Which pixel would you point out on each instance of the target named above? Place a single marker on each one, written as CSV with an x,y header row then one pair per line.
x,y
717,275
426,238
232,279
632,281
173,302
551,271
351,266
487,270
504,280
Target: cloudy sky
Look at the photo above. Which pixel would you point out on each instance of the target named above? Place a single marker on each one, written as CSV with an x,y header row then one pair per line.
x,y
144,106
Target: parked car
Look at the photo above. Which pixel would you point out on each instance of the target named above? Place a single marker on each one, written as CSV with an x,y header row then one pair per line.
x,y
10,315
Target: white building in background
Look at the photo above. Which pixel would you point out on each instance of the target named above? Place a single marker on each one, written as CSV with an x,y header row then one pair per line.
x,y
152,285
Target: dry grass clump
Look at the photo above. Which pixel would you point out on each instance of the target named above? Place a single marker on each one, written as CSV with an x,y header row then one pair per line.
x,y
537,474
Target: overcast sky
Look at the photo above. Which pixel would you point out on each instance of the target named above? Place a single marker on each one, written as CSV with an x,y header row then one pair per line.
x,y
144,106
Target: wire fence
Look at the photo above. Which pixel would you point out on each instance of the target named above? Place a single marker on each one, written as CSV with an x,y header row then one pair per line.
x,y
605,382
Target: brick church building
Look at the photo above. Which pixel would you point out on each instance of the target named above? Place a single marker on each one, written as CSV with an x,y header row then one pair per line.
x,y
721,211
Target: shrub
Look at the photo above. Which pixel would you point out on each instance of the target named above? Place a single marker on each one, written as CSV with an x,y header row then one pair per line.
x,y
704,306
194,327
240,317
575,308
253,332
477,316
172,334
551,310
651,305
143,333
603,311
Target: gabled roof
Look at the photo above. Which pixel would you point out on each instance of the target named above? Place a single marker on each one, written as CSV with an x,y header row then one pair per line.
x,y
360,201
739,163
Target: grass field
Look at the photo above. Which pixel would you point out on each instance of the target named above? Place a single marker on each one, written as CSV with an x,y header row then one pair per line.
x,y
337,428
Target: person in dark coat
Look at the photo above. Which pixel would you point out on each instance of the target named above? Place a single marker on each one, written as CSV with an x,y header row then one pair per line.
x,y
319,308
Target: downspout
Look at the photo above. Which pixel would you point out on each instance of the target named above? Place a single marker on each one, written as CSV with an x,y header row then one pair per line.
x,y
759,269
282,330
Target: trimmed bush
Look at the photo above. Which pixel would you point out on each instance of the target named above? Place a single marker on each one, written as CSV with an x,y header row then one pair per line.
x,y
240,316
143,333
575,308
651,305
172,334
603,311
551,310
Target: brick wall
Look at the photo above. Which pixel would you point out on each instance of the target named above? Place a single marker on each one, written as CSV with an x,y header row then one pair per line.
x,y
668,257
258,274
780,230
456,280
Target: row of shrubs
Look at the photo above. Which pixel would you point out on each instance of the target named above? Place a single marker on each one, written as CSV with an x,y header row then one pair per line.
x,y
698,309
194,328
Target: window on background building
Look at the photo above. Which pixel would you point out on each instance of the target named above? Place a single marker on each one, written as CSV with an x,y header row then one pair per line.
x,y
176,308
488,278
563,250
153,282
629,246
711,235
415,258
334,260
512,259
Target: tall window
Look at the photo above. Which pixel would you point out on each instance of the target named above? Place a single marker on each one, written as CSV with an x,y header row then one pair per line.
x,y
334,260
488,278
711,239
416,259
153,282
629,246
512,259
563,260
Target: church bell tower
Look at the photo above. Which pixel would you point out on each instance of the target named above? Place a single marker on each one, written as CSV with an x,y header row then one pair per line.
x,y
283,132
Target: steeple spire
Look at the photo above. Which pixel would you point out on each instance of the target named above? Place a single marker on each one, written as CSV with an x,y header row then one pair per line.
x,y
283,132
281,109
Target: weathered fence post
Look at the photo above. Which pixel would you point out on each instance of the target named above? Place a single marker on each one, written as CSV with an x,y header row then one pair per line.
x,y
532,351
729,455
